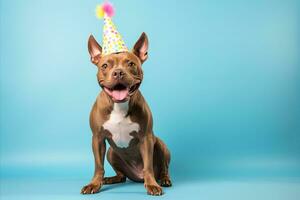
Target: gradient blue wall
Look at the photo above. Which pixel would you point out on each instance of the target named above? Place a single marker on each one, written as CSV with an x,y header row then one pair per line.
x,y
222,81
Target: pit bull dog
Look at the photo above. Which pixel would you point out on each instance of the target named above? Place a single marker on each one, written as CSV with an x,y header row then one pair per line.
x,y
121,116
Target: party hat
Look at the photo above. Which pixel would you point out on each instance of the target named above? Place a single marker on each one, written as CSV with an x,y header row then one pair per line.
x,y
112,40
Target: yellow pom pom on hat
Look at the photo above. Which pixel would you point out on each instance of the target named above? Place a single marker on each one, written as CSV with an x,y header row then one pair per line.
x,y
112,40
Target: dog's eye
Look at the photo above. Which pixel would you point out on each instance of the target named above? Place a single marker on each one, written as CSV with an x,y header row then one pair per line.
x,y
131,64
104,66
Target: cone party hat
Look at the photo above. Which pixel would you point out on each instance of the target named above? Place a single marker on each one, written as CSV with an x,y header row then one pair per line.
x,y
112,40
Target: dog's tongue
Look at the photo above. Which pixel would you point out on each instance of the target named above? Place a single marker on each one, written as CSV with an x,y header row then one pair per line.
x,y
119,95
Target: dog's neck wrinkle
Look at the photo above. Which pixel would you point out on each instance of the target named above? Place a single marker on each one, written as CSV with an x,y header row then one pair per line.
x,y
121,108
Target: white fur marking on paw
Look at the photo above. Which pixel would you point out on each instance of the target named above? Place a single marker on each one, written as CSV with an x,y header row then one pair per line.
x,y
120,126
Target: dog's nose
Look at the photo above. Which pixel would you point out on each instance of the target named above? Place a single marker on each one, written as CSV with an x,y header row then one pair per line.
x,y
118,74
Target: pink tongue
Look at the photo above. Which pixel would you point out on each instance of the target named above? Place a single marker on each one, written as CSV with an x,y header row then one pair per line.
x,y
119,95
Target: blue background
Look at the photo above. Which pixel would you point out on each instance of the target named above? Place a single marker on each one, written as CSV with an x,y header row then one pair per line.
x,y
222,80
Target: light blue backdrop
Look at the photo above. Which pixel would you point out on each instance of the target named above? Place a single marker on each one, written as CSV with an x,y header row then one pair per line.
x,y
222,80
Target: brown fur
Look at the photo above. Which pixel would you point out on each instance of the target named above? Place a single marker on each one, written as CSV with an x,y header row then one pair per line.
x,y
147,158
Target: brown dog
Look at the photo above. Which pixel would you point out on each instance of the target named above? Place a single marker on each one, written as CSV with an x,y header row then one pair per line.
x,y
122,116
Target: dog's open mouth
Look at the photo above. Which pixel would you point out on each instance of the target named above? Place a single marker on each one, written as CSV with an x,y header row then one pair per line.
x,y
121,92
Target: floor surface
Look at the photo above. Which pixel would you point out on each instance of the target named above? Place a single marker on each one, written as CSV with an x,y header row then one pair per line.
x,y
288,189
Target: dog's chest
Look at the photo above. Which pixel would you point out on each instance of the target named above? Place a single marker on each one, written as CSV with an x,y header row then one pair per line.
x,y
120,126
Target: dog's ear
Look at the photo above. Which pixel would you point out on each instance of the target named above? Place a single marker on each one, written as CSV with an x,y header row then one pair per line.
x,y
140,48
95,49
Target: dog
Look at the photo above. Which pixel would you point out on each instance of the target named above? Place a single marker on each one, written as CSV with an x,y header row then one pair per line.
x,y
121,116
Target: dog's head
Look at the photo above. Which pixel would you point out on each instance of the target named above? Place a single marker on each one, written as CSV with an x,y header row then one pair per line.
x,y
120,74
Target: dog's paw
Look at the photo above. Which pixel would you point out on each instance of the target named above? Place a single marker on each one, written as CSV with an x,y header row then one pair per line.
x,y
165,182
154,190
91,188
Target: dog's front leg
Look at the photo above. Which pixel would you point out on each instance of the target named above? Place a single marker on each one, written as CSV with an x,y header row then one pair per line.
x,y
146,149
99,148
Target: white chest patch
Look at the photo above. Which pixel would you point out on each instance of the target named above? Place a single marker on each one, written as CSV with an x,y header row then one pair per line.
x,y
120,126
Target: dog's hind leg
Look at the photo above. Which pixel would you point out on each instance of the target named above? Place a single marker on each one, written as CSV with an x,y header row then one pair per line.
x,y
162,158
114,161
